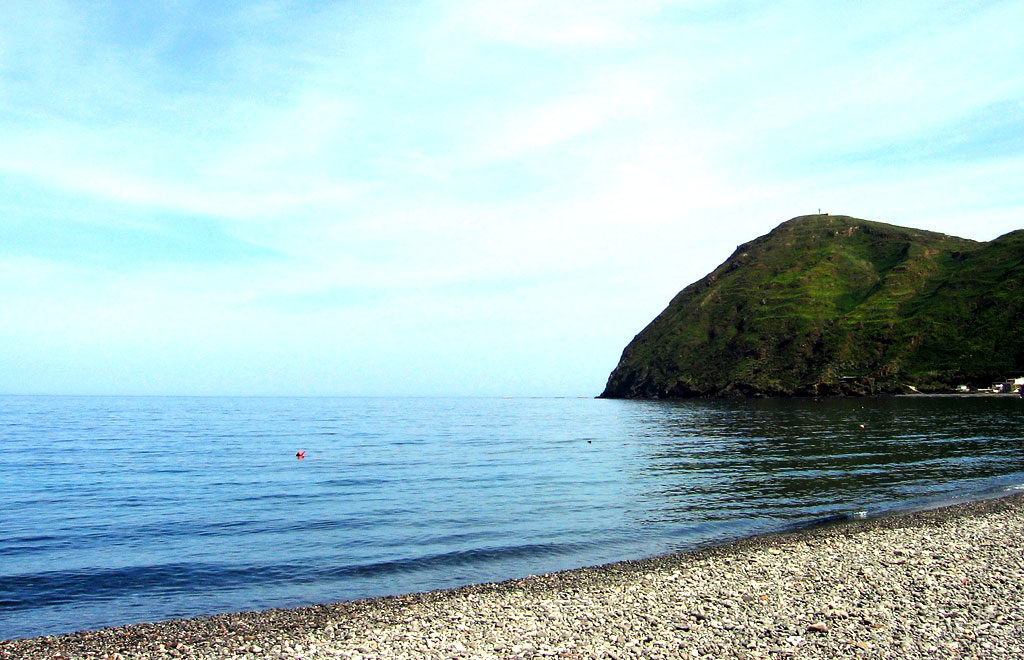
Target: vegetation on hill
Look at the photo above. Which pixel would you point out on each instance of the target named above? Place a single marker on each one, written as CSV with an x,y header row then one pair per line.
x,y
828,305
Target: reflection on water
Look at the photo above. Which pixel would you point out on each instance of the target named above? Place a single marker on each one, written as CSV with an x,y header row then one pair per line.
x,y
777,460
144,508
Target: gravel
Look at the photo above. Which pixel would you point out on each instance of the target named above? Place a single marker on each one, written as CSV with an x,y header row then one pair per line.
x,y
944,583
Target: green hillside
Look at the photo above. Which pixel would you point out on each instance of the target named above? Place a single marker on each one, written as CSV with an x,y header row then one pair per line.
x,y
836,305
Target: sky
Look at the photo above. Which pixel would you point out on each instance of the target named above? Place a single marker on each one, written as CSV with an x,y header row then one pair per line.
x,y
460,198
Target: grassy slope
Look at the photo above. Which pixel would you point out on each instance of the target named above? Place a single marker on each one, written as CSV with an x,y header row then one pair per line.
x,y
832,304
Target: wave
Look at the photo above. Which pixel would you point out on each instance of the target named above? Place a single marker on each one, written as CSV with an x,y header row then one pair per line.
x,y
50,588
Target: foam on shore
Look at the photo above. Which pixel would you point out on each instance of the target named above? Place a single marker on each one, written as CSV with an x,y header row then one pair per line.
x,y
945,582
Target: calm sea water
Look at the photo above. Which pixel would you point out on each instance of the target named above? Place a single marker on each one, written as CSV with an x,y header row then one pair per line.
x,y
120,510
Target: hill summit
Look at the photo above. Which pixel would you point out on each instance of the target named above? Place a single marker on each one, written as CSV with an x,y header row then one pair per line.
x,y
830,305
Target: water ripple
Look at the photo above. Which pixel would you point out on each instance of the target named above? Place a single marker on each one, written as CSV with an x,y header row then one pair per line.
x,y
126,509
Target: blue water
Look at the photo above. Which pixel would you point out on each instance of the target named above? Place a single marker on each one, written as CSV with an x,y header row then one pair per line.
x,y
120,510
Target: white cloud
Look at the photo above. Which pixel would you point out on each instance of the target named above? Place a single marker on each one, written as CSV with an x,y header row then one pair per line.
x,y
454,175
612,98
539,24
286,140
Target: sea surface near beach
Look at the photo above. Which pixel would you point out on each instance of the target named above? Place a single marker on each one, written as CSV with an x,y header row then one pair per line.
x,y
938,583
123,510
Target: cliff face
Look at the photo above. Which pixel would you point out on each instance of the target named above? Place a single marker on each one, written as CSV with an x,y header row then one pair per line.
x,y
836,305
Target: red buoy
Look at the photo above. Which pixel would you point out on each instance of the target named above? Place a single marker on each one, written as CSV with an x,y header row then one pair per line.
x,y
301,454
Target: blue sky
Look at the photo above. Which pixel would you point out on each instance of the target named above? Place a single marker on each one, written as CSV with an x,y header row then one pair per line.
x,y
454,198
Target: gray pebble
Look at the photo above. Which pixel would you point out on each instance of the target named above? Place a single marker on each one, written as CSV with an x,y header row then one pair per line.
x,y
947,583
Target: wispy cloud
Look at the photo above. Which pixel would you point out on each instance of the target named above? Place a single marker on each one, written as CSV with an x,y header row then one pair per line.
x,y
404,179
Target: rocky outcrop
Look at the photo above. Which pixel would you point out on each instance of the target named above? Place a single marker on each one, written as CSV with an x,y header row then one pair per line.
x,y
834,305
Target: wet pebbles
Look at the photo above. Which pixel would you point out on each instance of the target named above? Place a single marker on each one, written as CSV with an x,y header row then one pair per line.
x,y
947,583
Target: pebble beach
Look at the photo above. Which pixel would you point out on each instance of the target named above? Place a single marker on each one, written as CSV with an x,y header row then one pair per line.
x,y
942,583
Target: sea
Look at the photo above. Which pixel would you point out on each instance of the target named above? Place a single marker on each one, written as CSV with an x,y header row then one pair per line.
x,y
117,510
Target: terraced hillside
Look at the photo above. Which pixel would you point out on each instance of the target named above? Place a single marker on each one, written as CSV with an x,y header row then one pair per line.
x,y
837,305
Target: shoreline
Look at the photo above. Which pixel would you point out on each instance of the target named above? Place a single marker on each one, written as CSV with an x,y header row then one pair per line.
x,y
944,582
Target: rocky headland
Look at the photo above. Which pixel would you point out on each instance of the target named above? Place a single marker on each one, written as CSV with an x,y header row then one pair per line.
x,y
834,305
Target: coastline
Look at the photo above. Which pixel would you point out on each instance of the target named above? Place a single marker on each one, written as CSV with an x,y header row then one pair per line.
x,y
946,582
